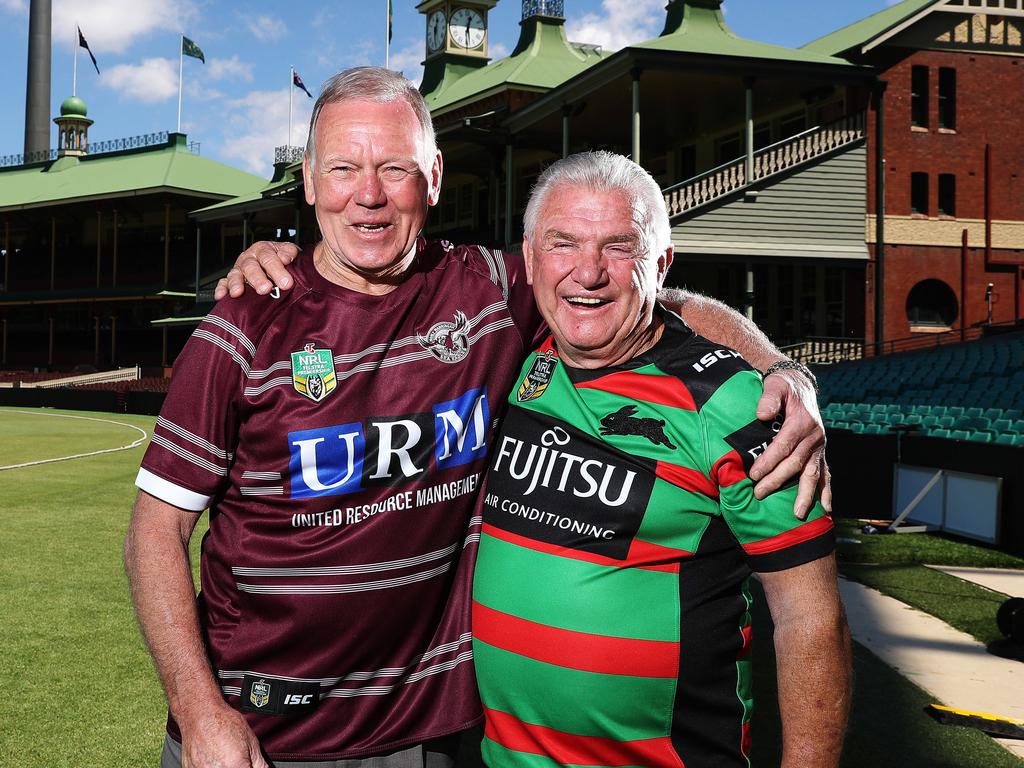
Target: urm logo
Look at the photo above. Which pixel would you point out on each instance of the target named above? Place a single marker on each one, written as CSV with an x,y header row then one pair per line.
x,y
345,458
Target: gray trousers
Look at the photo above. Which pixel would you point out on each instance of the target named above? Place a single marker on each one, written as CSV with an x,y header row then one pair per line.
x,y
439,753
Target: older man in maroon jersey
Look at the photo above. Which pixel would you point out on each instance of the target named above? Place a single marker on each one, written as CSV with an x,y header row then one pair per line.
x,y
337,433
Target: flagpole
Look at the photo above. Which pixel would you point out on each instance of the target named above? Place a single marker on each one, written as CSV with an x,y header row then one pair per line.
x,y
291,87
181,68
74,66
387,34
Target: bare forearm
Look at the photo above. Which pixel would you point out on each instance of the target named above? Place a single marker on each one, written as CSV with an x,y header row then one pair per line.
x,y
714,320
813,663
156,560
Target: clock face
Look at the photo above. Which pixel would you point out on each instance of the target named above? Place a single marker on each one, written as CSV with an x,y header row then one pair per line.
x,y
435,30
467,28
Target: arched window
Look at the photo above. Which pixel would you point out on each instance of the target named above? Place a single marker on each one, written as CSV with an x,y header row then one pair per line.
x,y
932,302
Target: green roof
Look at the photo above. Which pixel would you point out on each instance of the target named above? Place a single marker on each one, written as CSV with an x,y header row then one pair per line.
x,y
168,167
861,32
701,29
542,60
267,196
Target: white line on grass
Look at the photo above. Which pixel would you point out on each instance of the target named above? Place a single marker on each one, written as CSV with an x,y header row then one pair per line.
x,y
78,455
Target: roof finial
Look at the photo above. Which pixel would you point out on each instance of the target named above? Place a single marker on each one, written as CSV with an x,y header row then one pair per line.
x,y
550,8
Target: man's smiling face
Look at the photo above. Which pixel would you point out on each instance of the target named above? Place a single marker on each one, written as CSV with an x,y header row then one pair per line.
x,y
370,183
593,275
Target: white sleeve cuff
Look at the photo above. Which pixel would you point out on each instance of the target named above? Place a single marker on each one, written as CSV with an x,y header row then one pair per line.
x,y
171,493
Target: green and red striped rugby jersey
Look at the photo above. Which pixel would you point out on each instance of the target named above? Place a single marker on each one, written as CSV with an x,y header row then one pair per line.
x,y
611,612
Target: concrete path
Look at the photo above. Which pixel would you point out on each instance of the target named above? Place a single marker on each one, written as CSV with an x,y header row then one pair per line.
x,y
952,666
1004,580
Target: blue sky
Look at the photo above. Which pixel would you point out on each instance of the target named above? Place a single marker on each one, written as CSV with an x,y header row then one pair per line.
x,y
236,105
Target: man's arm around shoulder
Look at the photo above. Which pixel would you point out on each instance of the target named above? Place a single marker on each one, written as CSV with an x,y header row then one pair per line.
x,y
812,653
156,559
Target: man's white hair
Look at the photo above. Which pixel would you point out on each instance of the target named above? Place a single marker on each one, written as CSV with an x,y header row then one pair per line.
x,y
382,86
606,172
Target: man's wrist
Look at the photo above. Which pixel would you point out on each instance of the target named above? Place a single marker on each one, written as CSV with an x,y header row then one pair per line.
x,y
792,365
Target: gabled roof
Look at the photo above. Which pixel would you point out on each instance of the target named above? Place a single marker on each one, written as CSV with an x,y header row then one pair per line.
x,y
270,195
166,168
543,59
861,32
701,29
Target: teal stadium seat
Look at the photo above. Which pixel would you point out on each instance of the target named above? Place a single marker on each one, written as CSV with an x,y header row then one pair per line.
x,y
946,422
938,432
955,411
974,413
873,429
1005,439
1001,425
993,413
960,434
981,437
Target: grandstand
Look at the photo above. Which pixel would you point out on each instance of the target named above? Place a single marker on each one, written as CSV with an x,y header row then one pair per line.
x,y
970,391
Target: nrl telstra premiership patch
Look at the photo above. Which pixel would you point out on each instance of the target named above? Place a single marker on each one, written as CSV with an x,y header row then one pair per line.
x,y
313,372
536,381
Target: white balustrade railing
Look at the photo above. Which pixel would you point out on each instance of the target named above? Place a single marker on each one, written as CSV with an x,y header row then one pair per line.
x,y
779,157
101,377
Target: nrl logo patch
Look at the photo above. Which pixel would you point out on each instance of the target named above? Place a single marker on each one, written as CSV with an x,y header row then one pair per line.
x,y
536,381
448,342
259,695
313,372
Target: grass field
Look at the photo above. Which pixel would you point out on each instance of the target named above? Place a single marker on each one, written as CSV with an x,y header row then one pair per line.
x,y
77,685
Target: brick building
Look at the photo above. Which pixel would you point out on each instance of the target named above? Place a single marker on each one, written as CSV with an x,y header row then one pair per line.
x,y
951,76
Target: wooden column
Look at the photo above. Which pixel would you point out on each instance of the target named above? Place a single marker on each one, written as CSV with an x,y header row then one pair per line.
x,y
96,340
113,270
565,130
99,237
199,241
167,243
53,251
49,349
636,116
748,129
113,339
509,190
749,299
7,256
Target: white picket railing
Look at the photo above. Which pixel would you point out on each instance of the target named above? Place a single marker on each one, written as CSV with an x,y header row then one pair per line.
x,y
782,156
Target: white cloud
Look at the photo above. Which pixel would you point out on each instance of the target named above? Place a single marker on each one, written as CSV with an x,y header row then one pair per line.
x,y
267,27
258,122
621,23
151,81
233,68
14,6
408,60
113,25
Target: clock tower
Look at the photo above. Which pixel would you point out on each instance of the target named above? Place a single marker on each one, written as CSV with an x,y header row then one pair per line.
x,y
456,40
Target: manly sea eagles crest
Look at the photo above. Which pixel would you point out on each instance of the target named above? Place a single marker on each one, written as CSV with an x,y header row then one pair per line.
x,y
448,342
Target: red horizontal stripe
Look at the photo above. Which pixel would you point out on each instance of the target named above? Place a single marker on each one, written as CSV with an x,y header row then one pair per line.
x,y
570,749
729,470
575,650
686,478
660,390
805,532
642,554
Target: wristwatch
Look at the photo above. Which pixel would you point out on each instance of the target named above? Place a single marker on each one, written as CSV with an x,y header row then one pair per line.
x,y
792,365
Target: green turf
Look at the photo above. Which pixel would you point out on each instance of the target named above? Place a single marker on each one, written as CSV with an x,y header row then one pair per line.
x,y
888,726
78,687
892,564
37,434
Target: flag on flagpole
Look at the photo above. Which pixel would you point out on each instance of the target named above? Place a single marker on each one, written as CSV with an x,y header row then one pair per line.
x,y
391,15
189,48
83,44
297,82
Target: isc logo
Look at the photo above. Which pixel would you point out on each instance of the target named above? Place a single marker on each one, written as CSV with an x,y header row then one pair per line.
x,y
298,698
345,458
713,357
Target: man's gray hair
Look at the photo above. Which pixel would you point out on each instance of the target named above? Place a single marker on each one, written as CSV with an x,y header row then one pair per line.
x,y
606,172
373,84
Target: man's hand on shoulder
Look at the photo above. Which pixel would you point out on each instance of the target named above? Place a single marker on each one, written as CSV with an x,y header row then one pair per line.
x,y
221,739
798,448
261,265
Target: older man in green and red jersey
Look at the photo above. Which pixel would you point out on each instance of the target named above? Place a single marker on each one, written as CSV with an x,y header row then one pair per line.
x,y
611,611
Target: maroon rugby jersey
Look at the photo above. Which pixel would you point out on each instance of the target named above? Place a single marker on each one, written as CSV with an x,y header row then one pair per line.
x,y
338,439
